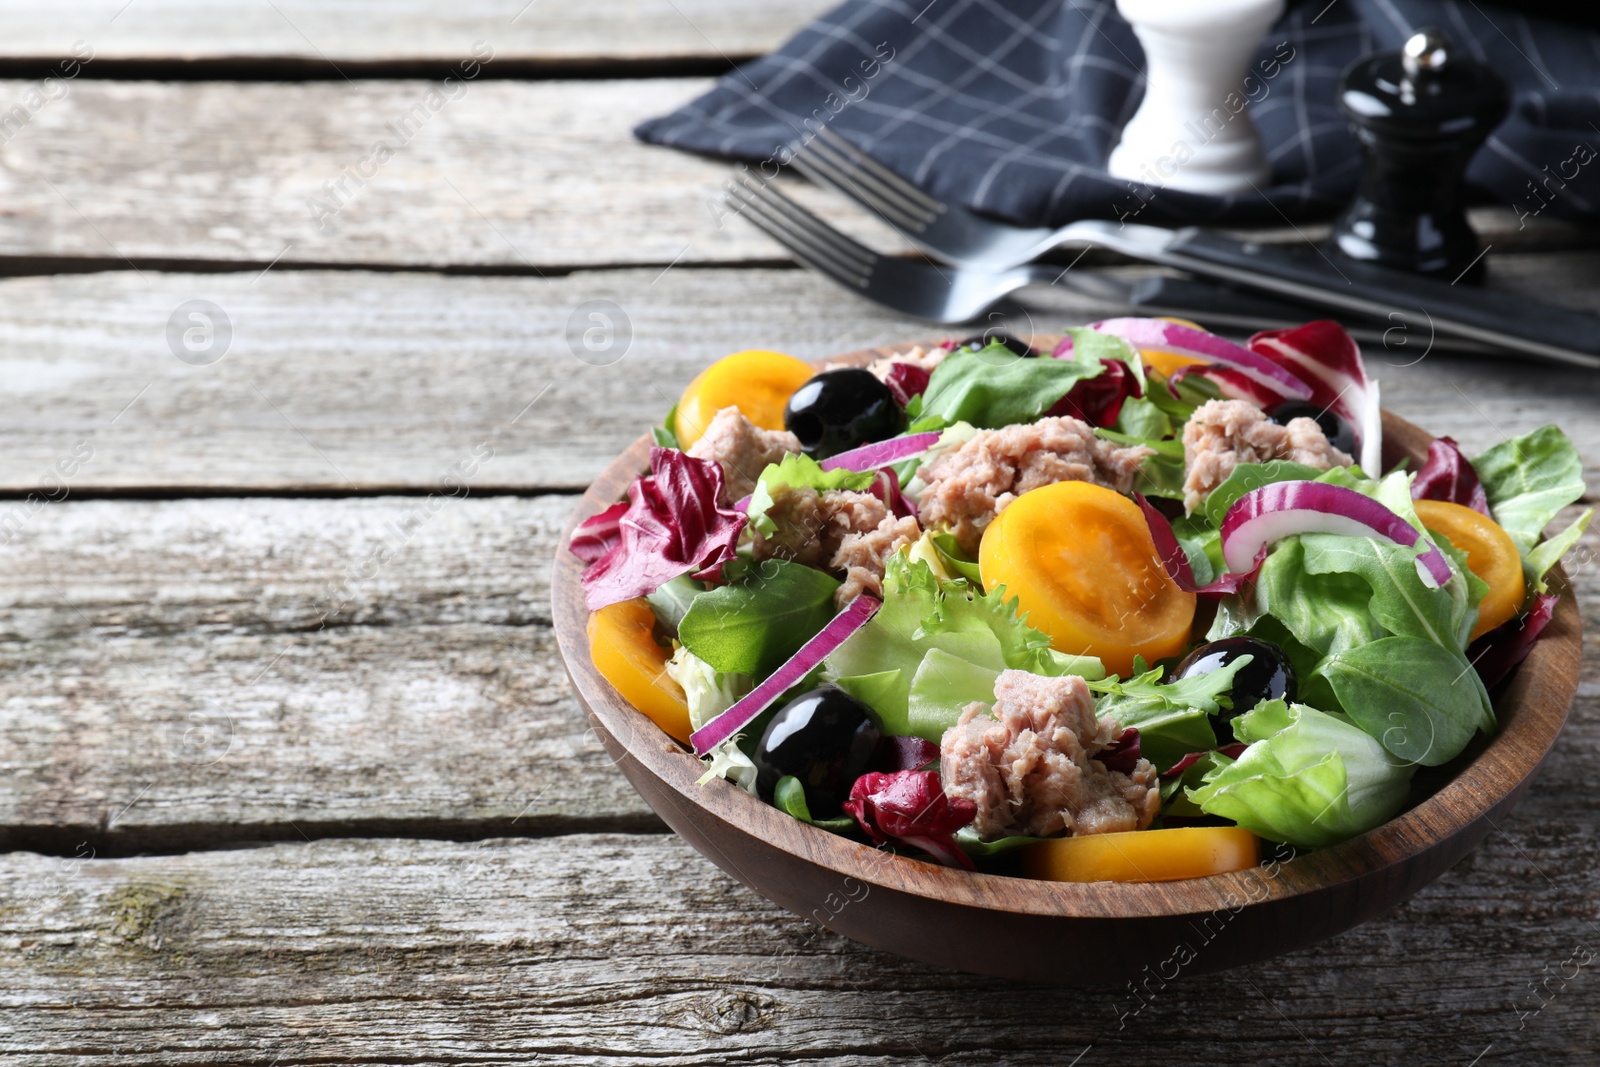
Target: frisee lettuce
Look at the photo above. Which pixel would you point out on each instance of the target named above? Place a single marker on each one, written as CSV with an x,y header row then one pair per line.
x,y
891,665
797,470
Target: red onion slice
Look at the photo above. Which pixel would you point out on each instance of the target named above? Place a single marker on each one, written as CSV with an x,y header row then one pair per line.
x,y
881,453
1284,509
1198,344
1176,561
802,663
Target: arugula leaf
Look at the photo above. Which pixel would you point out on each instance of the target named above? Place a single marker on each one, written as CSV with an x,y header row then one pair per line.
x,y
994,387
1173,717
790,796
753,626
1529,479
976,847
665,435
1143,420
797,470
1423,703
1308,779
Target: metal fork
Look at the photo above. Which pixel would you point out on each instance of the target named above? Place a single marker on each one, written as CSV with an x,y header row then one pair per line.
x,y
948,231
1422,306
947,295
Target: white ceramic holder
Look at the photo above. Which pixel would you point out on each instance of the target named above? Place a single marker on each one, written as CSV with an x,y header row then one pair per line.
x,y
1193,130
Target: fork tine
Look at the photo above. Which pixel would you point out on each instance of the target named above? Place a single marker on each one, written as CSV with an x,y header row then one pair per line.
x,y
820,233
806,253
849,269
822,167
865,162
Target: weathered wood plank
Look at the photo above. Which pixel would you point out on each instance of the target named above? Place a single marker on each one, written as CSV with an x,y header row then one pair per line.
x,y
492,175
179,674
358,382
192,672
514,176
348,35
633,950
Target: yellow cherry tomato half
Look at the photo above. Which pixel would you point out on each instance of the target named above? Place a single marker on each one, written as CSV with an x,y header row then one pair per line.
x,y
1079,559
757,382
1166,362
1491,555
1143,855
623,646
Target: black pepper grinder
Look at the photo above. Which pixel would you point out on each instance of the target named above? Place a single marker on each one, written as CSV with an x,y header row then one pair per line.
x,y
1419,113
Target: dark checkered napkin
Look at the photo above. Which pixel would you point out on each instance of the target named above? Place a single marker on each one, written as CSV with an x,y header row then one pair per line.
x,y
1011,107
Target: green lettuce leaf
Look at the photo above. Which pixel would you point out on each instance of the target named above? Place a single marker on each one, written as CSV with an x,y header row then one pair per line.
x,y
1247,477
995,387
1308,779
797,470
1537,563
1422,702
1334,592
976,634
1173,717
752,626
1529,479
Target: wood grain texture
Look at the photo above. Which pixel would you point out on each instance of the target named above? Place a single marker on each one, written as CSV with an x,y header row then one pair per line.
x,y
628,951
186,673
497,176
349,35
358,382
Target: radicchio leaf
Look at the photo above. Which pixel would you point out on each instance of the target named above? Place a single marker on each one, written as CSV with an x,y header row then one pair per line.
x,y
1176,561
1098,400
906,380
1326,358
599,534
1497,653
1233,751
887,489
670,524
1448,475
1123,753
911,808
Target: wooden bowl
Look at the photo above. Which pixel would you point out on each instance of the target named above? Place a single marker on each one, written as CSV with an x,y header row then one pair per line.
x,y
1065,932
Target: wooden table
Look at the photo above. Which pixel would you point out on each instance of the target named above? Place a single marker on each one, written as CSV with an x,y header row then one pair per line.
x,y
289,770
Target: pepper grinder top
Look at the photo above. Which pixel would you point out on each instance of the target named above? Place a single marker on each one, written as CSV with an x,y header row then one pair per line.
x,y
1419,113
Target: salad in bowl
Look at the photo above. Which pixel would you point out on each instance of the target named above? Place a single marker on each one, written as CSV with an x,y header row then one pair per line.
x,y
1140,605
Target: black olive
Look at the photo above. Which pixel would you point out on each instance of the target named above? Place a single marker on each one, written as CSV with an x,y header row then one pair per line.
x,y
841,409
998,337
1268,676
826,739
1335,427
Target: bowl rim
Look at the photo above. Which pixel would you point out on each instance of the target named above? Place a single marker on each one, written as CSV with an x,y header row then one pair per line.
x,y
1532,709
